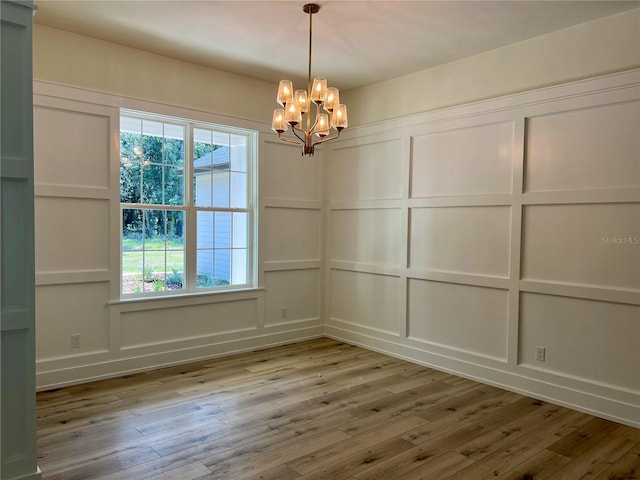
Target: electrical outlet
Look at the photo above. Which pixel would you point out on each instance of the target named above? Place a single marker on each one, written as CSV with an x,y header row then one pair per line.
x,y
540,354
283,312
75,340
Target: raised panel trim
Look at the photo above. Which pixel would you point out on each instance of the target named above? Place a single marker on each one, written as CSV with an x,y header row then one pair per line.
x,y
279,266
16,168
364,328
297,321
455,350
272,202
619,195
387,270
221,335
71,191
501,283
14,319
72,276
374,204
615,295
483,200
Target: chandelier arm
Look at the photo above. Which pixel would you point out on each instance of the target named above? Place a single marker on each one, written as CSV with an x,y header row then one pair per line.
x,y
293,130
315,123
326,139
288,140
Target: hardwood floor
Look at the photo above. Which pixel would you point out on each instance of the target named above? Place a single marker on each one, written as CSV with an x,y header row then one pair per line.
x,y
319,410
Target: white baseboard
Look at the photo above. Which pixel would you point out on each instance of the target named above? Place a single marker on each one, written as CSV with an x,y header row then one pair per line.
x,y
556,393
100,370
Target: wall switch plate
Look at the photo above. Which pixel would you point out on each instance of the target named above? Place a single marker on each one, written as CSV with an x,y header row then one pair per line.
x,y
540,354
75,341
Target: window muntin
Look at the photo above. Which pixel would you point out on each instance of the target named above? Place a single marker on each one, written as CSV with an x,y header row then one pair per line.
x,y
178,237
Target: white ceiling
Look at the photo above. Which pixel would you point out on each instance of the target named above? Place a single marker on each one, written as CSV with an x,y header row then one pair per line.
x,y
355,43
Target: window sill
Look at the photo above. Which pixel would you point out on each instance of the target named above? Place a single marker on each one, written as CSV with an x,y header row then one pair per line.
x,y
223,295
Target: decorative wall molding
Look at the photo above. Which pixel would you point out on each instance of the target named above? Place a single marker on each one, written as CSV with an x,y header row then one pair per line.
x,y
557,241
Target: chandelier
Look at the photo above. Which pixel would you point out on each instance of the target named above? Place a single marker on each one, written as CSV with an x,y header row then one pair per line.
x,y
296,104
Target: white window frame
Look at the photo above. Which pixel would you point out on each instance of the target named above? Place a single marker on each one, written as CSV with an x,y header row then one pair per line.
x,y
190,224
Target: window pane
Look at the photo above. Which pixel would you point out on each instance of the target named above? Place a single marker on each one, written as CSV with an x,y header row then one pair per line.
x,y
222,268
221,189
173,144
131,272
130,125
175,229
152,183
238,190
239,275
154,229
222,230
175,270
203,187
240,222
131,229
130,172
238,153
204,268
202,167
204,229
154,270
202,136
220,138
173,186
130,164
151,149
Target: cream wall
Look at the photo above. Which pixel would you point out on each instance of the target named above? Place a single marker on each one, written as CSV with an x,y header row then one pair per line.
x,y
71,59
607,45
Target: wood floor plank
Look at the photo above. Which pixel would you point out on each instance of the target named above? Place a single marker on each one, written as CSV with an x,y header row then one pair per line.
x,y
348,467
320,459
626,468
595,460
319,409
539,467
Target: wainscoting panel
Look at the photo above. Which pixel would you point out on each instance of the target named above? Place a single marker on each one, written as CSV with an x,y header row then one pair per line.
x,y
86,313
366,171
365,300
469,161
72,147
586,149
461,317
473,240
291,234
593,341
366,236
71,234
295,291
589,244
287,175
156,326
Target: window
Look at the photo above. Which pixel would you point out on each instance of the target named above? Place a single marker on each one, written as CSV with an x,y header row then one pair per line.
x,y
187,200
